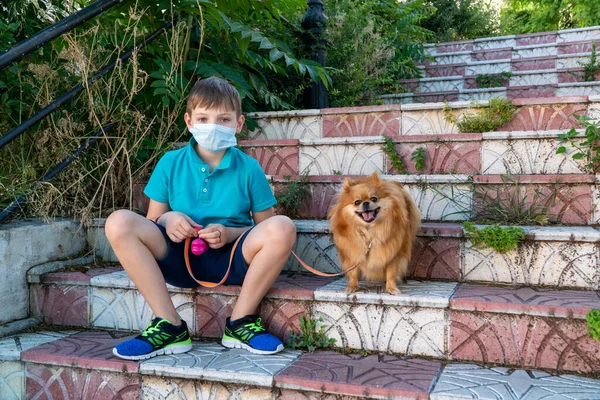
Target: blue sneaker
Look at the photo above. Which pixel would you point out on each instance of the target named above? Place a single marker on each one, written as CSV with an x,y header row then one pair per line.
x,y
159,338
248,333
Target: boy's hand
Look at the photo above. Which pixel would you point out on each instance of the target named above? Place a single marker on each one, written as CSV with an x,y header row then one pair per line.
x,y
215,235
179,226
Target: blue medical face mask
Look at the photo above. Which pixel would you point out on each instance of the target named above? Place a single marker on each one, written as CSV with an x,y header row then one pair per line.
x,y
214,137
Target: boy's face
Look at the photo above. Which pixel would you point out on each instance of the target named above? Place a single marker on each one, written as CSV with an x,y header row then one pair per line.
x,y
214,116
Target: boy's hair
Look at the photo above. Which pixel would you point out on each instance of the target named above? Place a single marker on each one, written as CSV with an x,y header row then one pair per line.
x,y
214,93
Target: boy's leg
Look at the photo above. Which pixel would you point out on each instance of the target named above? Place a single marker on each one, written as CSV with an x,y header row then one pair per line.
x,y
266,249
137,242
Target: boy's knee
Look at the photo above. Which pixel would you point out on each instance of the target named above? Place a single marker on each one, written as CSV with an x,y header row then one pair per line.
x,y
117,224
283,230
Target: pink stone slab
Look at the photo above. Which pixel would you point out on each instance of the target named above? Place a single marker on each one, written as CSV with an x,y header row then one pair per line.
x,y
437,71
520,92
536,64
452,47
362,124
211,313
356,375
297,287
523,341
276,160
442,158
280,316
435,97
47,382
545,117
582,46
85,350
492,54
535,38
77,277
60,304
545,302
436,258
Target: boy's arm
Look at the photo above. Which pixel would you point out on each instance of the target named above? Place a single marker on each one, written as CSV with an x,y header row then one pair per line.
x,y
260,216
156,209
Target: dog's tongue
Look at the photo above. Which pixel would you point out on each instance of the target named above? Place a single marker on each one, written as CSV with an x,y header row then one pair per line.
x,y
368,216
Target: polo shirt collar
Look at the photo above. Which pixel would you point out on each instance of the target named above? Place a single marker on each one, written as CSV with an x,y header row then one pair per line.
x,y
225,161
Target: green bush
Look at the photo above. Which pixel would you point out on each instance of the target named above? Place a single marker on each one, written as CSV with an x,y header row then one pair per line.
x,y
496,114
309,337
593,319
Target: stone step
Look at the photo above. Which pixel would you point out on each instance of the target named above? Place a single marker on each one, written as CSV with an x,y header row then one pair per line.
x,y
524,327
490,153
75,365
559,257
515,92
400,120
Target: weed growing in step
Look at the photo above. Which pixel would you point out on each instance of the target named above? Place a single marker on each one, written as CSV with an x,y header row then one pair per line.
x,y
511,202
501,239
420,158
309,337
389,148
590,68
484,81
593,319
498,112
291,196
588,149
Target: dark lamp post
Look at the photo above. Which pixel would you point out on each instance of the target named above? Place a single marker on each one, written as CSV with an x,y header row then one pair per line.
x,y
314,23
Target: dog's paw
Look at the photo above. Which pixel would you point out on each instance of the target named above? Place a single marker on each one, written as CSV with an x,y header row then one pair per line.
x,y
351,289
392,290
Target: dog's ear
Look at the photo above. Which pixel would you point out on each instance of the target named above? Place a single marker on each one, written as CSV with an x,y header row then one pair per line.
x,y
374,178
348,183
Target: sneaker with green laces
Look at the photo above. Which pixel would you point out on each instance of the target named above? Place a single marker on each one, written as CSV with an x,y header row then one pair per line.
x,y
161,337
248,333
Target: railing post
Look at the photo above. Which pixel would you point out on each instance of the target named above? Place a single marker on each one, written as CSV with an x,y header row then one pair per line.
x,y
314,23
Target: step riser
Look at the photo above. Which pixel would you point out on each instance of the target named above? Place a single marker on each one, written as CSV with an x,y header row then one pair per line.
x,y
571,204
435,327
385,120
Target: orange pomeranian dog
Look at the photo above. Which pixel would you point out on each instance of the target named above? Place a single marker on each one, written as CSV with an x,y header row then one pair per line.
x,y
371,213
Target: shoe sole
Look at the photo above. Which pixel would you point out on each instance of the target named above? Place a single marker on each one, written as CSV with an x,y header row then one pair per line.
x,y
234,344
174,349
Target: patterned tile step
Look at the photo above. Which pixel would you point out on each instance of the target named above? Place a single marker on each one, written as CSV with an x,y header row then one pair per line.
x,y
564,199
408,119
79,367
465,381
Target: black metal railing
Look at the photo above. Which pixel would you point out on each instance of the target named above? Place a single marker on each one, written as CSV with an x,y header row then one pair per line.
x,y
26,47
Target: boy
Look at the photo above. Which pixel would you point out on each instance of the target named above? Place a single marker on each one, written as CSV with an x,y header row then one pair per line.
x,y
212,185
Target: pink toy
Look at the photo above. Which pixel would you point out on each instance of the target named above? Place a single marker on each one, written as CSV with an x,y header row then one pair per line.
x,y
199,246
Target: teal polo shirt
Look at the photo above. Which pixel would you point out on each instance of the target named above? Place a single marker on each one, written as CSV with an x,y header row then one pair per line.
x,y
227,195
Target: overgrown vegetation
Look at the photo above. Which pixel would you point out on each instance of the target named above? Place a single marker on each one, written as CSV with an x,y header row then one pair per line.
x,y
501,239
372,45
310,338
291,195
389,148
529,16
587,149
593,320
484,81
497,113
247,43
461,19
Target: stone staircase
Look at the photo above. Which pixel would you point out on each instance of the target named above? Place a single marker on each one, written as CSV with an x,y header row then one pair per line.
x,y
543,64
469,322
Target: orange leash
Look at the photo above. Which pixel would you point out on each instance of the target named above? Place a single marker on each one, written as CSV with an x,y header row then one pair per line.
x,y
212,284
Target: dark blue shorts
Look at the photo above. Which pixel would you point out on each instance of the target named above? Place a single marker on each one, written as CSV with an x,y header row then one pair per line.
x,y
209,266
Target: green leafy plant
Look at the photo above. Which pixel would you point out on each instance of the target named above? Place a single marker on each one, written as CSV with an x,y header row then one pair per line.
x,y
461,19
310,337
593,320
587,149
420,158
493,80
291,196
497,113
590,68
390,149
336,172
501,239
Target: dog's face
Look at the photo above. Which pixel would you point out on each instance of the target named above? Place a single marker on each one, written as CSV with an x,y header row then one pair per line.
x,y
366,200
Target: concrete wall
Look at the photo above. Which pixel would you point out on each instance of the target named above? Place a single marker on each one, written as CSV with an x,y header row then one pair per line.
x,y
24,244
97,240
